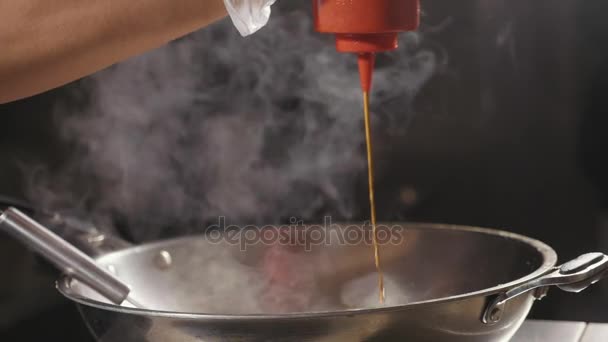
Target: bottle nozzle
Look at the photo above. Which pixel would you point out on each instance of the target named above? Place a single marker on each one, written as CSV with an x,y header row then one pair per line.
x,y
366,70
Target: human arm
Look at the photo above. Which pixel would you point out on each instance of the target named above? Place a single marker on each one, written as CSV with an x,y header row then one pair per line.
x,y
45,44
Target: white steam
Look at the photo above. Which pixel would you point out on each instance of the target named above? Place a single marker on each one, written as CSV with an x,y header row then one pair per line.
x,y
257,129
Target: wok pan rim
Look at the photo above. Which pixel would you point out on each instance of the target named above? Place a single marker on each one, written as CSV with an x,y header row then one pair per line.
x,y
548,254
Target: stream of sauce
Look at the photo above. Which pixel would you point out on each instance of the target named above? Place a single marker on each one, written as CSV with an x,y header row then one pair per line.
x,y
372,201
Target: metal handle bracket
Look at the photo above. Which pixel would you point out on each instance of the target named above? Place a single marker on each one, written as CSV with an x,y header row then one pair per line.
x,y
573,276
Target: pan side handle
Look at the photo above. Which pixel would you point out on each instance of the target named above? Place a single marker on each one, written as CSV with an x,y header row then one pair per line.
x,y
83,234
573,276
95,243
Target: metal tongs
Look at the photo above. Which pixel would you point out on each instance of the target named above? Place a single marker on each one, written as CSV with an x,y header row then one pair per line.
x,y
65,256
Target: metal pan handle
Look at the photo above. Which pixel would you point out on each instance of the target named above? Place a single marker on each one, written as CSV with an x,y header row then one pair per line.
x,y
66,257
82,233
573,276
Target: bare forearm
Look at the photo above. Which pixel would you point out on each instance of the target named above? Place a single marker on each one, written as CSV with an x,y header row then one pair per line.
x,y
45,44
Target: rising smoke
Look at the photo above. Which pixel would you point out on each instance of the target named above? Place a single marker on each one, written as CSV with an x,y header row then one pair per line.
x,y
257,129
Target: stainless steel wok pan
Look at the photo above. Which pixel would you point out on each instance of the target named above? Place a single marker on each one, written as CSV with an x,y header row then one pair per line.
x,y
444,283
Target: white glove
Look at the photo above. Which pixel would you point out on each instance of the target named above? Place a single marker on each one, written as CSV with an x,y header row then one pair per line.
x,y
249,15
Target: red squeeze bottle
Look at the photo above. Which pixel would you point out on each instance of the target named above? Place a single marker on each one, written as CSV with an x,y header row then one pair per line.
x,y
365,27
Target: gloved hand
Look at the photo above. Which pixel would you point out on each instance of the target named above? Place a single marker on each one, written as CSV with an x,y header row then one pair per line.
x,y
249,15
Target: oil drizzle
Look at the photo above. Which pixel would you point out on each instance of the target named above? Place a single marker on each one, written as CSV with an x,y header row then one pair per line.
x,y
372,201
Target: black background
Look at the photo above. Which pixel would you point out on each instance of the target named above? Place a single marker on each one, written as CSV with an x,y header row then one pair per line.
x,y
539,173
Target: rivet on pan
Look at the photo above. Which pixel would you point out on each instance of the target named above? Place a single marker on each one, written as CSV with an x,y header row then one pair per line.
x,y
96,240
494,311
496,314
57,219
112,269
163,260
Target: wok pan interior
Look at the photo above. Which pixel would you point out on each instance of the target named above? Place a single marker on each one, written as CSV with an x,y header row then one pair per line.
x,y
429,262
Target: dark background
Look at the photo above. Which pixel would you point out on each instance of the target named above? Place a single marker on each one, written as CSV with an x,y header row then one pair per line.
x,y
512,136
